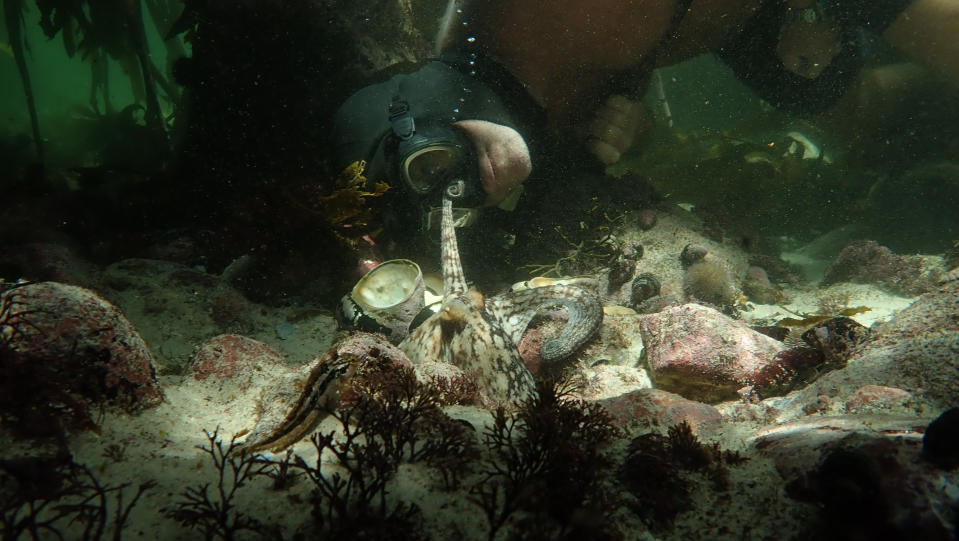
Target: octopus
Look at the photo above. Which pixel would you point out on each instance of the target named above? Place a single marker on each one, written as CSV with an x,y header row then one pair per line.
x,y
479,335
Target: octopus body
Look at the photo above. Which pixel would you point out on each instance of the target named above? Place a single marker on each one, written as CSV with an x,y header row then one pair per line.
x,y
480,336
476,334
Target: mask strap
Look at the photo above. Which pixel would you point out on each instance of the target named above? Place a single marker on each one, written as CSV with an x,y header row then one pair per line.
x,y
401,121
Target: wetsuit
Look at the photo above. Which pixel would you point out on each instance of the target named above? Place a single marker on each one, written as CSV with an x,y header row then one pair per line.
x,y
752,54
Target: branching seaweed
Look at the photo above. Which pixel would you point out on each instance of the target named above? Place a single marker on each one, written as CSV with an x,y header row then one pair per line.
x,y
214,512
546,462
653,466
14,319
387,418
583,256
43,498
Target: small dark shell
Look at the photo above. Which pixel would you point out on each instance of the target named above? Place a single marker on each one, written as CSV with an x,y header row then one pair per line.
x,y
645,286
836,338
633,250
691,254
620,272
647,219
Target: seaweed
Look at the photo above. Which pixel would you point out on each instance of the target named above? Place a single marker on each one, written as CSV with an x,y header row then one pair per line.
x,y
656,469
586,255
41,497
347,206
13,11
386,419
545,469
829,311
283,472
216,514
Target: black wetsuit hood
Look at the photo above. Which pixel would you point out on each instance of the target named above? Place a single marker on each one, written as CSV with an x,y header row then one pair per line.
x,y
456,86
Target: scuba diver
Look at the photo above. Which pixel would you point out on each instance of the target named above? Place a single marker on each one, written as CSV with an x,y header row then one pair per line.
x,y
517,85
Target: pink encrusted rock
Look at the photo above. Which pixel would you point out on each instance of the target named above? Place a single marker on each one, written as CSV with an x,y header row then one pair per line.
x,y
703,355
529,347
656,408
365,346
227,355
65,347
875,397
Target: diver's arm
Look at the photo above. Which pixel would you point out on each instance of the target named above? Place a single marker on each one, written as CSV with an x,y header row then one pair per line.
x,y
927,31
616,126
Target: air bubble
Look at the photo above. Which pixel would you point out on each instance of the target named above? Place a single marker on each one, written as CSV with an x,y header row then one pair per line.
x,y
471,39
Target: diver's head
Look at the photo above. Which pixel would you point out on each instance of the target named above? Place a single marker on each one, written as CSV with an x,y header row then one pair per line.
x,y
422,130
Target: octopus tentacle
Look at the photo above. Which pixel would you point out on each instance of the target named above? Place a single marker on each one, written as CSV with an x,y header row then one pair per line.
x,y
515,310
454,281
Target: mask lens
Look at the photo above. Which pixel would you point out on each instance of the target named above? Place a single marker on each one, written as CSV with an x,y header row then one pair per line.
x,y
424,168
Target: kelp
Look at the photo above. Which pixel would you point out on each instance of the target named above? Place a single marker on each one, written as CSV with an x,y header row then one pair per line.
x,y
98,29
814,318
13,15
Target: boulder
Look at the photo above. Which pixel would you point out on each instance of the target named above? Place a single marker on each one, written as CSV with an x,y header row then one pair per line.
x,y
649,408
64,349
703,355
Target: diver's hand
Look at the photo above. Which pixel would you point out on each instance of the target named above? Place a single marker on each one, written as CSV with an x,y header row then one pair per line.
x,y
615,127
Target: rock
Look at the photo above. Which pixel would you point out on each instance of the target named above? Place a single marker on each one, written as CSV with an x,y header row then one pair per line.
x,y
618,343
648,408
176,307
872,398
758,288
940,443
836,338
692,254
38,261
228,355
916,351
64,349
867,262
647,219
604,381
863,472
530,345
703,355
293,407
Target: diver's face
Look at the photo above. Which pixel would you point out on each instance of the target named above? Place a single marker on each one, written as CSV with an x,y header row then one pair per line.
x,y
503,157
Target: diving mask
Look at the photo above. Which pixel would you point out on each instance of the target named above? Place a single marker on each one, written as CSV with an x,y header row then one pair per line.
x,y
426,156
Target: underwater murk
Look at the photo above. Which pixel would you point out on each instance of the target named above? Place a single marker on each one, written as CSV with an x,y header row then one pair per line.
x,y
748,330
